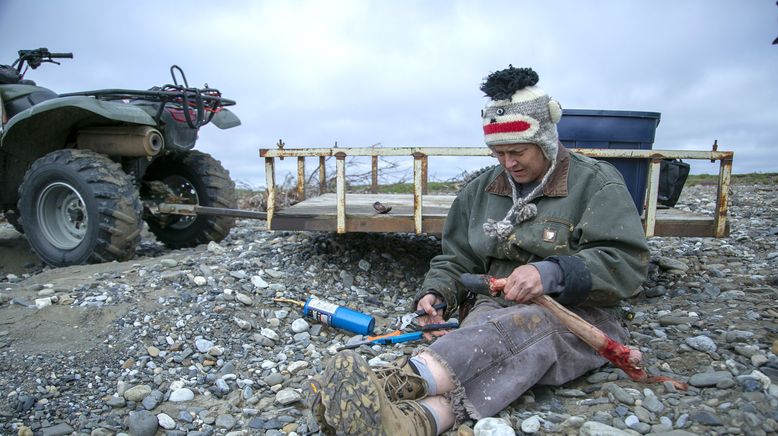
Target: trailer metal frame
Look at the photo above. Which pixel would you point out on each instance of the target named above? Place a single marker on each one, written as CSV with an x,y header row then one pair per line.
x,y
657,222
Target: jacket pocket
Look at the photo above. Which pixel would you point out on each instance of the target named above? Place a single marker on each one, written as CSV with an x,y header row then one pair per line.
x,y
553,236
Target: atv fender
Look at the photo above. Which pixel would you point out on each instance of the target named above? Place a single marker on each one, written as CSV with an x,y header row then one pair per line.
x,y
224,119
46,127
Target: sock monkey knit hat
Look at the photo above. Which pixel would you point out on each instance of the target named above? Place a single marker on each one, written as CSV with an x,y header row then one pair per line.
x,y
519,112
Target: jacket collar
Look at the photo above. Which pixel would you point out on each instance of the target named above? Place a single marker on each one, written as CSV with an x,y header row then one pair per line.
x,y
557,183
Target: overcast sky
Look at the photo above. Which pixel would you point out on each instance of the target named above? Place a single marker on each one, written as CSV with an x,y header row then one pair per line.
x,y
407,73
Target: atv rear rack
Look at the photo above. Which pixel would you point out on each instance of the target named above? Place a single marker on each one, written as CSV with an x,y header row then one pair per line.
x,y
205,102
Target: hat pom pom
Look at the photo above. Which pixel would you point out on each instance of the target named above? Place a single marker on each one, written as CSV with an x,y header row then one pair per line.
x,y
501,85
555,110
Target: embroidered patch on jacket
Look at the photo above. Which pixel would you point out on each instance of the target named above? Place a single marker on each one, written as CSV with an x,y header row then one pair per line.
x,y
549,235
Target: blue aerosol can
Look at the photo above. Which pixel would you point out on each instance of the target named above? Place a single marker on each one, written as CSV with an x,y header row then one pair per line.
x,y
338,316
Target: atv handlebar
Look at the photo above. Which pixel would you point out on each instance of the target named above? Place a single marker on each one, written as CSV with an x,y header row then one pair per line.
x,y
61,55
34,58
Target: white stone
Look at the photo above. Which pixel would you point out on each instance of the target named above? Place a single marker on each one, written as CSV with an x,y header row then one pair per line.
x,y
137,393
177,384
242,323
287,396
631,421
300,325
701,343
121,387
759,375
493,427
40,303
180,395
270,334
594,428
378,362
297,366
165,421
200,281
274,273
258,282
203,345
168,263
573,422
759,359
243,298
531,424
214,247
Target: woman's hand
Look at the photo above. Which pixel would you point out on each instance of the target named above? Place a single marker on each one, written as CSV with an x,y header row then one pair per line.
x,y
523,285
432,316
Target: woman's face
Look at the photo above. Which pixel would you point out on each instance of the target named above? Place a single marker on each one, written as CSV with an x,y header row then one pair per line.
x,y
524,162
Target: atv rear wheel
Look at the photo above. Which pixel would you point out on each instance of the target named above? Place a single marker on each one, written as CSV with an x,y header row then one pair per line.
x,y
191,178
78,206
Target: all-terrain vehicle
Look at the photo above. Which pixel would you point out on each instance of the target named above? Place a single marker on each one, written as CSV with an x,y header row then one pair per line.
x,y
80,172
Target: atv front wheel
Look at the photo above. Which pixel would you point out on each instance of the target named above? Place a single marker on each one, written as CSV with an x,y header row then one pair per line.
x,y
191,178
78,206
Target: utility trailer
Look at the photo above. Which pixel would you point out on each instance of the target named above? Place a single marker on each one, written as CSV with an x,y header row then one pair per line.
x,y
623,138
420,212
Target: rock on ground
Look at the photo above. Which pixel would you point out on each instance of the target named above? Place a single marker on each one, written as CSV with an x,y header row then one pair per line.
x,y
192,341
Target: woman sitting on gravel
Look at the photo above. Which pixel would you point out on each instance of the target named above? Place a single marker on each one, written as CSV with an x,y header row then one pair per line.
x,y
551,221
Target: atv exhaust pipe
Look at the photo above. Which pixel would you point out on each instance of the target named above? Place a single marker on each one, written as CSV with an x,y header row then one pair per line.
x,y
131,141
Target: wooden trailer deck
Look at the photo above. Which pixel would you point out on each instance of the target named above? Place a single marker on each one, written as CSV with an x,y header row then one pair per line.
x,y
320,214
422,213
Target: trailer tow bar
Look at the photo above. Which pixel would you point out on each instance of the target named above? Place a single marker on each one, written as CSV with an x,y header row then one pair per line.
x,y
194,209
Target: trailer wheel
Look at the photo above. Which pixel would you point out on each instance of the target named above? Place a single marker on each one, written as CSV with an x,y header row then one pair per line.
x,y
193,178
78,206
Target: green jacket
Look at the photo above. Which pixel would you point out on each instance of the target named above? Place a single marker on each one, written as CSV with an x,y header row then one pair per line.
x,y
587,223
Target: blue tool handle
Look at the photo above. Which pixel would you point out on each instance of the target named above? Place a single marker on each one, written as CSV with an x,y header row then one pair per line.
x,y
444,326
405,337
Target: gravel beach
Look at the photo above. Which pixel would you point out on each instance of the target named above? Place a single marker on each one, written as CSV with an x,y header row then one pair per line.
x,y
190,342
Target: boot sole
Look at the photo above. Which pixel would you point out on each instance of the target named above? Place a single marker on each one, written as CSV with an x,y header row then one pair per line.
x,y
317,408
350,399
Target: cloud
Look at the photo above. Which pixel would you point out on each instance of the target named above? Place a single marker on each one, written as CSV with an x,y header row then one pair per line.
x,y
407,73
